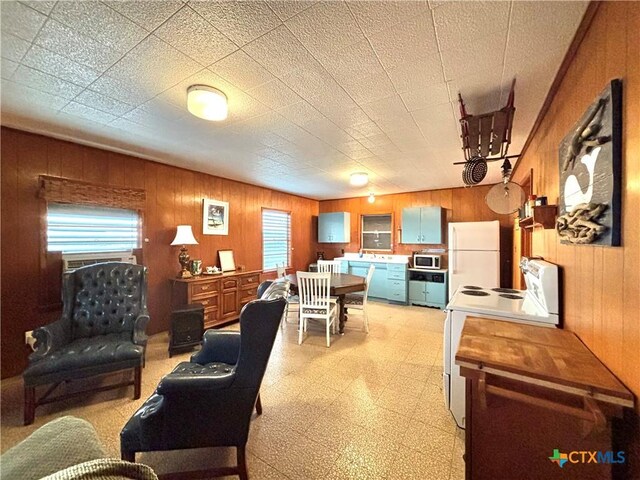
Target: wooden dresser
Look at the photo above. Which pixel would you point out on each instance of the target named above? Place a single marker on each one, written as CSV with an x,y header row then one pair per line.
x,y
536,399
222,296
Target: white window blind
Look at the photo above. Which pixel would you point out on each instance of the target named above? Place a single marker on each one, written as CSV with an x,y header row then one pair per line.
x,y
276,238
87,229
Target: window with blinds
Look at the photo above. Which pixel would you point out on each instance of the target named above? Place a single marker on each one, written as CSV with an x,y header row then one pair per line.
x,y
276,238
88,229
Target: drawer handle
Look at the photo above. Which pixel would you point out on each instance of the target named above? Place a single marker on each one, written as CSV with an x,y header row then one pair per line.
x,y
204,287
205,302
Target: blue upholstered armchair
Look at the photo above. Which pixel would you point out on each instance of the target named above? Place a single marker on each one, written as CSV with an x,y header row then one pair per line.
x,y
208,401
101,330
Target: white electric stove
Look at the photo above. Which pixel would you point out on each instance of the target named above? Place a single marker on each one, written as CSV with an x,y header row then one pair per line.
x,y
537,305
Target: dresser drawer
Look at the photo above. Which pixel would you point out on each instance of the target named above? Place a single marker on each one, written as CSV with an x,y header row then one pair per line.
x,y
203,289
208,302
229,284
250,280
210,316
248,293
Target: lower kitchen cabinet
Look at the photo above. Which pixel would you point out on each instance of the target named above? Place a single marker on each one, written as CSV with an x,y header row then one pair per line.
x,y
222,296
389,280
428,288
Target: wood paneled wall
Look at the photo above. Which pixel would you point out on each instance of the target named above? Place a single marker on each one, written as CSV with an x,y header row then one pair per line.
x,y
601,284
174,196
461,205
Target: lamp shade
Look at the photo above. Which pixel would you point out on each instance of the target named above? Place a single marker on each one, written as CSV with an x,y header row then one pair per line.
x,y
359,179
184,236
207,102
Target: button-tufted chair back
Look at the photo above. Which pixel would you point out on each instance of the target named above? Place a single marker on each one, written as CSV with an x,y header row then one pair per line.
x,y
105,298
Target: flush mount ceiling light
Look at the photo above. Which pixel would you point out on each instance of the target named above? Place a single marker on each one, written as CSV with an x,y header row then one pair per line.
x,y
359,179
372,197
207,102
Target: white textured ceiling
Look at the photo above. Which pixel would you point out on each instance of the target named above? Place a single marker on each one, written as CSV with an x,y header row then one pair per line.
x,y
316,90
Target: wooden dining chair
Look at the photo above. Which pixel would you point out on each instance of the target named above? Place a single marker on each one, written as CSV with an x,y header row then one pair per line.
x,y
358,303
315,302
331,266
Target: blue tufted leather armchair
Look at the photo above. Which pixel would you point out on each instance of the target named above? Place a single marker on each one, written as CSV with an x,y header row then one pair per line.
x,y
208,401
101,330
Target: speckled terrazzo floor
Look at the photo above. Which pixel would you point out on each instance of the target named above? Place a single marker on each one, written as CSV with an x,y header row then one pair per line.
x,y
368,407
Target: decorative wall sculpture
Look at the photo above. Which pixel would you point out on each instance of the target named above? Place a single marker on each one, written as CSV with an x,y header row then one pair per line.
x,y
591,173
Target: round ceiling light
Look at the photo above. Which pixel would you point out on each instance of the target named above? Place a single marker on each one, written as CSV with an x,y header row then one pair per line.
x,y
359,179
207,102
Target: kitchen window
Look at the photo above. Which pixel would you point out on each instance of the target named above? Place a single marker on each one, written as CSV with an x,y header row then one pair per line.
x,y
89,229
276,239
376,232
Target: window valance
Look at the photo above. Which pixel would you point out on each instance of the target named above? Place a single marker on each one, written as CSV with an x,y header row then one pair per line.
x,y
64,190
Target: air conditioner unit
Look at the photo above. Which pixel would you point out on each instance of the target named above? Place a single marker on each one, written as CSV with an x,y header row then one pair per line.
x,y
72,261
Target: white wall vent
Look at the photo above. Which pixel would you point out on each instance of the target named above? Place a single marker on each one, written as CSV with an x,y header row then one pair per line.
x,y
76,260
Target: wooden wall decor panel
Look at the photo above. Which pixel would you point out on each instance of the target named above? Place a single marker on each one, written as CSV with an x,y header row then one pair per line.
x,y
461,204
173,196
601,296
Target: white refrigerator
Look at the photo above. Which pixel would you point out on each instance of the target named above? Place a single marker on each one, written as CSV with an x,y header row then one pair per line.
x,y
474,254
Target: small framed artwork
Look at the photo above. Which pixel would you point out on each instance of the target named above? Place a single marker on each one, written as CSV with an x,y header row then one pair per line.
x,y
227,264
215,217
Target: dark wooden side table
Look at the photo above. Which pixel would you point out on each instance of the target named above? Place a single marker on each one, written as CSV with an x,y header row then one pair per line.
x,y
187,327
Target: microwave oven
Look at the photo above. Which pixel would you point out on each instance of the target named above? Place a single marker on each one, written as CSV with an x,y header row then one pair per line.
x,y
426,261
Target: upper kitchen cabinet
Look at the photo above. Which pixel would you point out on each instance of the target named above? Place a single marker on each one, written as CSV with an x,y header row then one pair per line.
x,y
334,227
422,225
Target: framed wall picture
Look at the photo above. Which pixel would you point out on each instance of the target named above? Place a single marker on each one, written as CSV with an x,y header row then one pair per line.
x,y
227,263
215,217
591,174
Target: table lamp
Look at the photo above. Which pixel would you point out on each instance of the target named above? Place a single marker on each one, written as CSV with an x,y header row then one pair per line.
x,y
184,236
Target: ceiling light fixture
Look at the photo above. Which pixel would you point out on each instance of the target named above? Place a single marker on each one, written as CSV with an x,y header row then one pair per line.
x,y
359,179
372,197
207,102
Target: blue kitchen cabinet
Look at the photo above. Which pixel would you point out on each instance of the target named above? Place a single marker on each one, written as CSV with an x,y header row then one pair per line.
x,y
411,225
334,227
422,225
397,283
417,292
431,224
428,288
378,286
436,294
360,271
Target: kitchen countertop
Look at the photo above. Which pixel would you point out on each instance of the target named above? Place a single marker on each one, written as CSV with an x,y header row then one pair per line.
x,y
399,259
429,270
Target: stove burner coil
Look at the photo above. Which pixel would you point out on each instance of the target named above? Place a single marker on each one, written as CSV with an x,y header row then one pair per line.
x,y
505,290
475,293
472,287
512,297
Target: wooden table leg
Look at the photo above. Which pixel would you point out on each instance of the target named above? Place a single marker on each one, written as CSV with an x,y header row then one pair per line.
x,y
343,314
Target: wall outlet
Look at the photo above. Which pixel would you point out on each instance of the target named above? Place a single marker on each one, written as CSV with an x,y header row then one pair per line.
x,y
29,339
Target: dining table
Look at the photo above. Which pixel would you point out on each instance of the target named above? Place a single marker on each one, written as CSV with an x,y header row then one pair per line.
x,y
341,284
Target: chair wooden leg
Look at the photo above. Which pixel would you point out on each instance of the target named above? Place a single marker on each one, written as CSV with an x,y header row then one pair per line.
x,y
29,405
258,405
300,330
329,324
137,381
242,463
127,456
